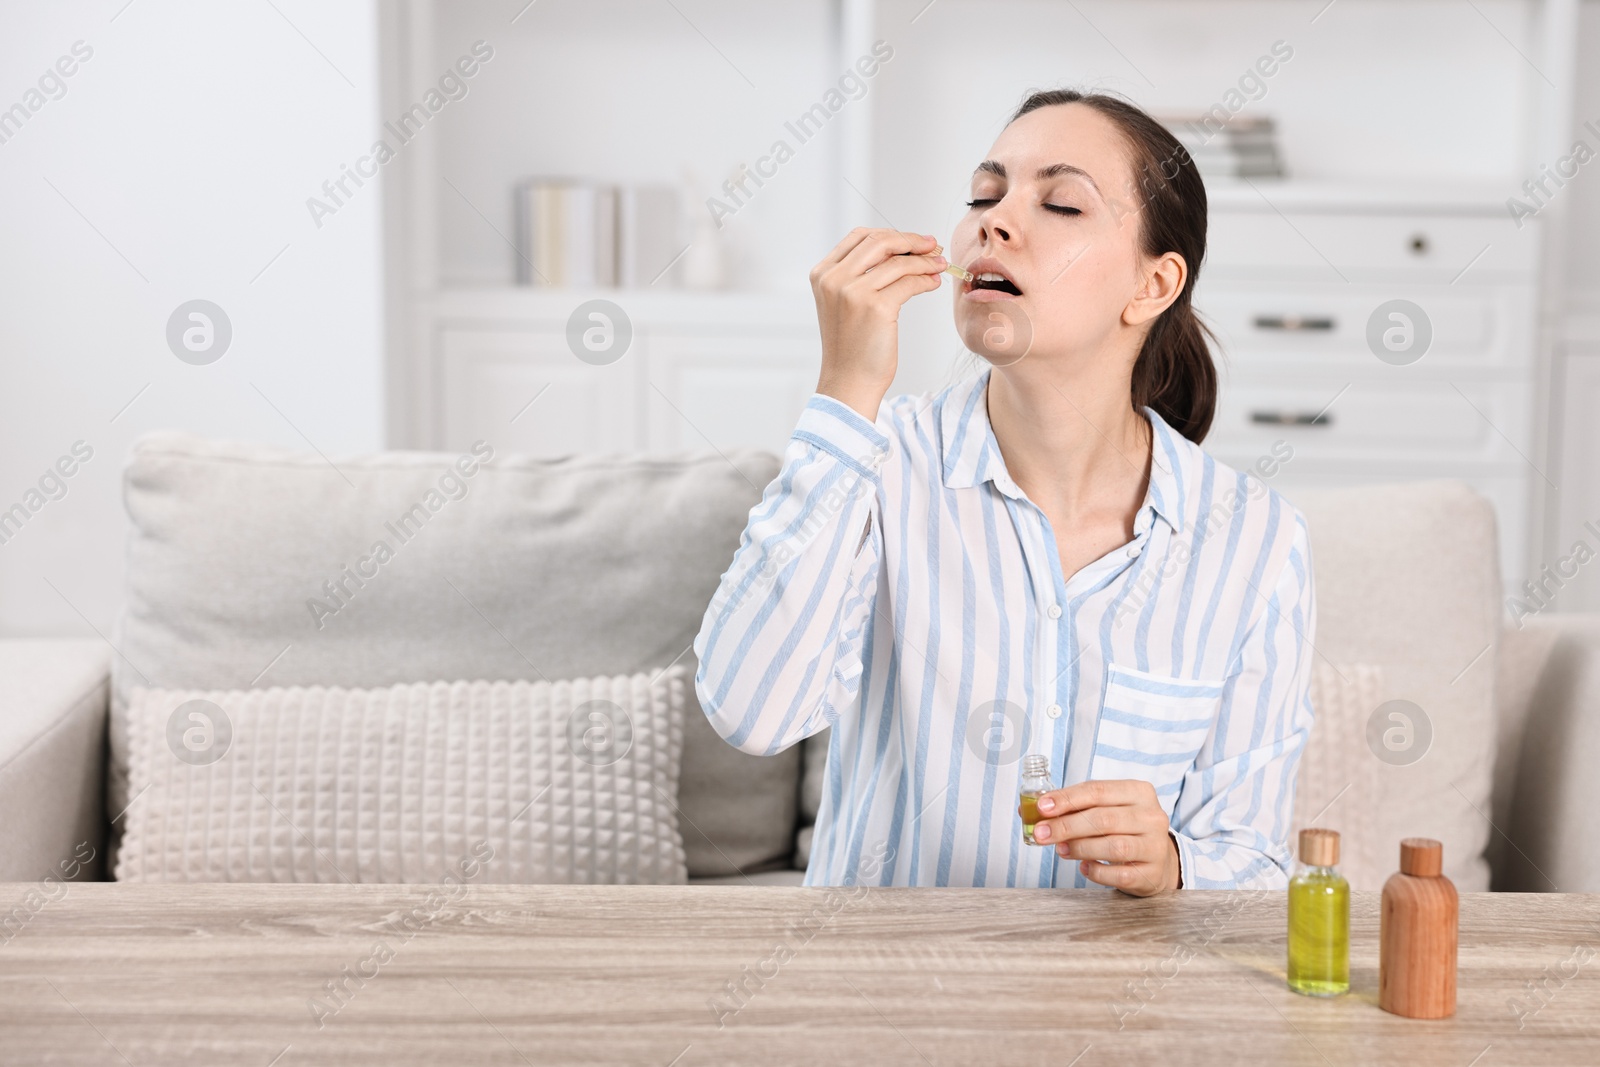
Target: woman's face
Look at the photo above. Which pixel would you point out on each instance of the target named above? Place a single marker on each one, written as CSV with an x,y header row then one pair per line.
x,y
1055,212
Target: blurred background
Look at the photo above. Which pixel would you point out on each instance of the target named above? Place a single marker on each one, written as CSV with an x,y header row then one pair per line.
x,y
396,212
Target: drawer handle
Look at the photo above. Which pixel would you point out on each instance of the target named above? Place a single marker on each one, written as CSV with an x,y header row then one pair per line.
x,y
1291,418
1297,323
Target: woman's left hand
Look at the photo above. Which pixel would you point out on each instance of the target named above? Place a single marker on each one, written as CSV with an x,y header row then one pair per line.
x,y
1118,820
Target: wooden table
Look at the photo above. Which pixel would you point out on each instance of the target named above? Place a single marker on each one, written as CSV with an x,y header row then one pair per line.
x,y
232,974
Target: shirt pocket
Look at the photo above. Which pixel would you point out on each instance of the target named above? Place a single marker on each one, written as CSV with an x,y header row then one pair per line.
x,y
1151,729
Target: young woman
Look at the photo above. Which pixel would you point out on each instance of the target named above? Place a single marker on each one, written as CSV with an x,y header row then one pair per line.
x,y
1038,560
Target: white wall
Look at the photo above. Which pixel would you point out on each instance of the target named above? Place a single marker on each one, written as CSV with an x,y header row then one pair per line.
x,y
629,91
184,150
1583,249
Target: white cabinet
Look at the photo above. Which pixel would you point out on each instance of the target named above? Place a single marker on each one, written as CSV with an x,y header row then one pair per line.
x,y
1398,421
1325,240
1265,326
1300,293
740,391
523,391
702,372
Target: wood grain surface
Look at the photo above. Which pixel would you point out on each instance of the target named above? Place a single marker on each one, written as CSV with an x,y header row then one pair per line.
x,y
150,974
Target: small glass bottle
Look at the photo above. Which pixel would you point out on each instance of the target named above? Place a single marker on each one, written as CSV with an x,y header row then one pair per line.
x,y
1319,918
1035,780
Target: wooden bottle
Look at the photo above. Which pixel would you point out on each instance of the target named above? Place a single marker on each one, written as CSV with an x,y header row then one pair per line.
x,y
1418,927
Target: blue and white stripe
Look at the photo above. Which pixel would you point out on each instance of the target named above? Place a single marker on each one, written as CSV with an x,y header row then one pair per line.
x,y
895,584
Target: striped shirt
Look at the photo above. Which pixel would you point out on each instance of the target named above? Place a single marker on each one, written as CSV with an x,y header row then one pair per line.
x,y
895,584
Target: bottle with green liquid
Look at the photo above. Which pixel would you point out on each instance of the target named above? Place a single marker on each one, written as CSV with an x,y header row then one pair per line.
x,y
1319,918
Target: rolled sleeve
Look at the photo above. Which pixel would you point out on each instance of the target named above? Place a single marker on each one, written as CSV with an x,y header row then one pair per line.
x,y
841,431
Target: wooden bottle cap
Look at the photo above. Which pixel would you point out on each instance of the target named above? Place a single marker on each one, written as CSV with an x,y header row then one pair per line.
x,y
1319,848
1421,857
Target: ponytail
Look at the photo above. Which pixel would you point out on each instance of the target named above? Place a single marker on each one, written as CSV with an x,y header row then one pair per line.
x,y
1174,373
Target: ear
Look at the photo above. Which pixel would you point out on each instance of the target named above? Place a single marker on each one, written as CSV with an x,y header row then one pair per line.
x,y
1163,282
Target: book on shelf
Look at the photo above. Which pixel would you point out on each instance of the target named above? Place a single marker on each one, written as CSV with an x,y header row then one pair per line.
x,y
1229,146
574,233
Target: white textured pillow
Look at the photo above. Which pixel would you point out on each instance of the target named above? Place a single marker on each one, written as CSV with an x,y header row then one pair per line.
x,y
565,782
1340,785
1350,781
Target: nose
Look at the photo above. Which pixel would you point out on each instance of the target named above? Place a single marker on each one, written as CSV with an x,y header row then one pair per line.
x,y
995,226
994,232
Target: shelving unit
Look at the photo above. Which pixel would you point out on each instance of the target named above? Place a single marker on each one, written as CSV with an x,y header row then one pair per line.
x,y
1292,287
1401,164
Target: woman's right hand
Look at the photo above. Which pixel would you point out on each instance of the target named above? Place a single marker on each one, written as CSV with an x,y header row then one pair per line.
x,y
859,288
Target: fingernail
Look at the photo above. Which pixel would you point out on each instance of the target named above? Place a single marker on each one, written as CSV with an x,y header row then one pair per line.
x,y
943,263
1047,804
1041,832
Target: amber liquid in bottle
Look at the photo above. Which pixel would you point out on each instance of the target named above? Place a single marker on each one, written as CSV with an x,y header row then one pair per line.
x,y
1028,808
1035,780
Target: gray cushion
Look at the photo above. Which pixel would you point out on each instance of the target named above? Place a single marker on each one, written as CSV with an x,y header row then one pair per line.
x,y
1550,828
1523,655
527,568
813,768
783,876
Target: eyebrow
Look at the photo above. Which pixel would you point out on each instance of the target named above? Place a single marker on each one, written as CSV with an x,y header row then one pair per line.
x,y
1054,170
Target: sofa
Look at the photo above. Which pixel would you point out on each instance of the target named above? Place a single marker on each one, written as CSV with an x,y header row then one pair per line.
x,y
563,568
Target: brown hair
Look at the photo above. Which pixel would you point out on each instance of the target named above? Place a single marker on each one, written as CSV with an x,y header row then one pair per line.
x,y
1174,373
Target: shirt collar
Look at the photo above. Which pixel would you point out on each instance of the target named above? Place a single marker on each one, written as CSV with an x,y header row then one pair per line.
x,y
972,455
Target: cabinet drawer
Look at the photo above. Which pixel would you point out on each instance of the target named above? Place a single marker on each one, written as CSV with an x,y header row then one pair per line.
x,y
1398,421
1333,244
727,392
1296,326
524,391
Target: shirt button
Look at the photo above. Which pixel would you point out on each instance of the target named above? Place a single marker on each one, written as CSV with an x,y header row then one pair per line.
x,y
1133,551
1054,611
1054,711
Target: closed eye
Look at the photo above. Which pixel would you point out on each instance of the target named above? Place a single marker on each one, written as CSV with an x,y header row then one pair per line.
x,y
1059,209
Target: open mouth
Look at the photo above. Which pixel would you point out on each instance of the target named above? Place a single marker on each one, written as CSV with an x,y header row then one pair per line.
x,y
990,275
998,282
